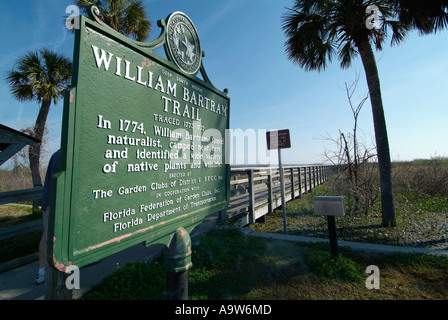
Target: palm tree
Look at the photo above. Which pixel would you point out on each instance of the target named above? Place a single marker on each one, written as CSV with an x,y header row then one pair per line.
x,y
42,76
125,16
317,30
425,16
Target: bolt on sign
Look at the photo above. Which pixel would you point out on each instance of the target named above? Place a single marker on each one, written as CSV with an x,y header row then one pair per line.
x,y
143,143
278,139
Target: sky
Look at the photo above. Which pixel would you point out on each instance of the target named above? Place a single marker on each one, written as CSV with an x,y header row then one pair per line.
x,y
244,46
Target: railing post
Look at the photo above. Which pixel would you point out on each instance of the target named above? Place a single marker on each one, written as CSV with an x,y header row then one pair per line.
x,y
293,191
308,175
270,197
300,181
250,178
305,180
319,175
36,202
310,180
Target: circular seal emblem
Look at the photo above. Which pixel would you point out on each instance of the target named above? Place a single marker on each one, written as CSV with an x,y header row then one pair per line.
x,y
182,42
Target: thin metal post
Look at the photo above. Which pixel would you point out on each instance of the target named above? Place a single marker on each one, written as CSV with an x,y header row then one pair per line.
x,y
282,186
270,197
332,235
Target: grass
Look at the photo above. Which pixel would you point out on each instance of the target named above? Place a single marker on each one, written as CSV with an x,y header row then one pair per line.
x,y
16,214
421,222
228,265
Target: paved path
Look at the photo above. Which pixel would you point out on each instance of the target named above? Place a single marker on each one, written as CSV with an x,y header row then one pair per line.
x,y
359,246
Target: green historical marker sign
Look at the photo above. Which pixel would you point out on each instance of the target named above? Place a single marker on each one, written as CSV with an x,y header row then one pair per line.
x,y
143,144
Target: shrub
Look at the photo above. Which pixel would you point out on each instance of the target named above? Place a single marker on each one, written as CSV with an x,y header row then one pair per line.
x,y
133,281
326,267
422,177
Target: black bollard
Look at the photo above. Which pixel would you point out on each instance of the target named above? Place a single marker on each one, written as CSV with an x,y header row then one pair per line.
x,y
177,262
177,285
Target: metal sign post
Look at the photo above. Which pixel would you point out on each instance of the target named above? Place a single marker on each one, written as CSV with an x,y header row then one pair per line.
x,y
280,140
282,184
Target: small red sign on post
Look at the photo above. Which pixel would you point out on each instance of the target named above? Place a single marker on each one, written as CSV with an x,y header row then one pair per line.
x,y
278,139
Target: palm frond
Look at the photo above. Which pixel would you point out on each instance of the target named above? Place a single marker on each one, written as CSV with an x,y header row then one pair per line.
x,y
125,16
399,31
309,42
315,28
346,54
424,16
39,76
135,22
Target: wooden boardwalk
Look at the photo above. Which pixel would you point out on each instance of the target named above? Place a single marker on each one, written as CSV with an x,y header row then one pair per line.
x,y
256,191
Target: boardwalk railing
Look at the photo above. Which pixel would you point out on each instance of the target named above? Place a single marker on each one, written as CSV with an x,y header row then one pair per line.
x,y
256,191
21,195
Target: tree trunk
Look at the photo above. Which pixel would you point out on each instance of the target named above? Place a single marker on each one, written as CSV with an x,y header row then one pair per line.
x,y
34,152
382,143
